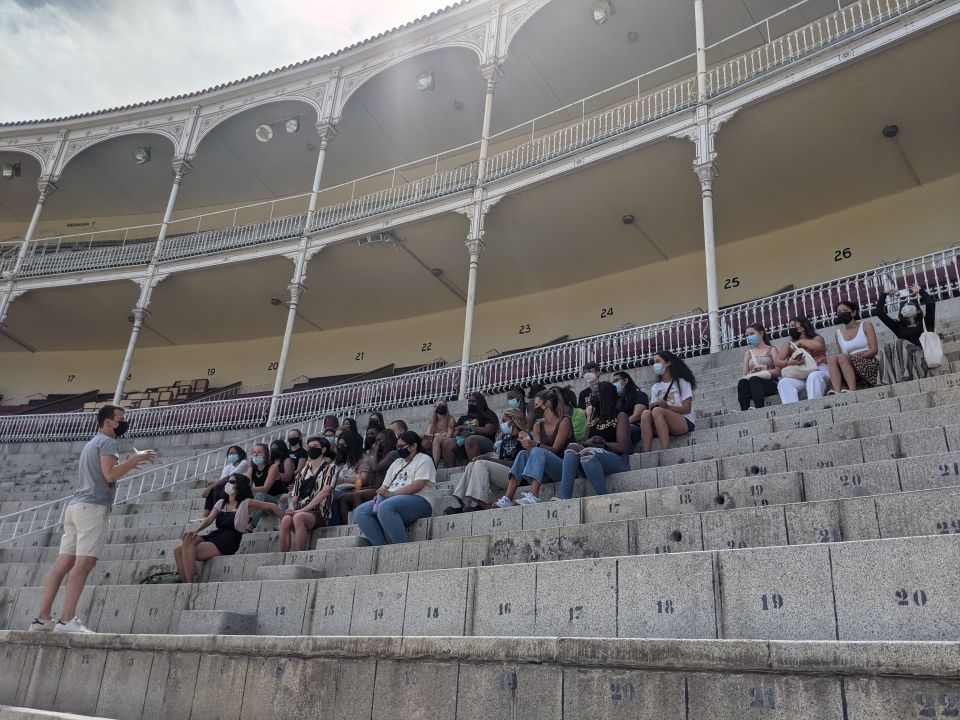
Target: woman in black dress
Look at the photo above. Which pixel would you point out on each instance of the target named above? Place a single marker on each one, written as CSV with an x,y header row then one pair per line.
x,y
231,515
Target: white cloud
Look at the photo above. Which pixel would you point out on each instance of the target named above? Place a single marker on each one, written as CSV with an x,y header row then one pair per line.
x,y
69,57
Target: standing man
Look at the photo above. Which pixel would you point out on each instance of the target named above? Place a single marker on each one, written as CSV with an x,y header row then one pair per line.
x,y
85,521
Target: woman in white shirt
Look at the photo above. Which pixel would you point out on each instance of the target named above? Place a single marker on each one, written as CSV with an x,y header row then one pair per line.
x,y
855,363
406,495
671,401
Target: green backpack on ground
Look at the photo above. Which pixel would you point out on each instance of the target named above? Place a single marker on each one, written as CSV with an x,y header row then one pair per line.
x,y
161,578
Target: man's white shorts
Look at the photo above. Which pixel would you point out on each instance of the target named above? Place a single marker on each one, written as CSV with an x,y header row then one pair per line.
x,y
84,530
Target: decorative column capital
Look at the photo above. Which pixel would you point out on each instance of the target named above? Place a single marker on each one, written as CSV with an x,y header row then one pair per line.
x,y
491,71
706,172
296,291
150,280
327,130
475,246
182,166
138,315
47,185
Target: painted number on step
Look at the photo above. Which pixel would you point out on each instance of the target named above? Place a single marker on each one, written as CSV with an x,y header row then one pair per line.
x,y
378,614
825,463
328,610
497,522
664,607
771,602
426,347
280,611
575,613
731,282
524,329
433,613
763,698
842,254
905,598
948,527
410,677
851,480
504,608
211,371
273,366
623,692
551,514
736,544
507,681
71,378
606,312
613,508
686,498
932,706
358,356
828,535
662,549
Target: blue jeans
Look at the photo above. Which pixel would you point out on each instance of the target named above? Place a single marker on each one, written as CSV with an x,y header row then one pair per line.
x,y
596,469
262,497
393,515
536,464
335,518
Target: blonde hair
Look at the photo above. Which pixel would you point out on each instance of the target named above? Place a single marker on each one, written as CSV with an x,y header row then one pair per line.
x,y
516,418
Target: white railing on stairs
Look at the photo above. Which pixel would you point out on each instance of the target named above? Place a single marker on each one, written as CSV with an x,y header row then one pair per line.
x,y
57,255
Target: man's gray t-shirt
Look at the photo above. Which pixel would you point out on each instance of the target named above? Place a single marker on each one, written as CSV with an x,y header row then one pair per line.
x,y
91,487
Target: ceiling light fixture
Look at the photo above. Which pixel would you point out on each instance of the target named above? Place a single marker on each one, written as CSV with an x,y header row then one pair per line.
x,y
9,172
293,124
602,10
891,131
141,155
425,81
264,133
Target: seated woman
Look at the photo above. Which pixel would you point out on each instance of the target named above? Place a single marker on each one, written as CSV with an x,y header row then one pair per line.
x,y
760,370
406,495
803,336
856,360
371,472
516,399
671,402
535,389
232,517
473,490
542,450
349,449
902,359
279,477
605,451
481,425
310,496
236,463
578,416
630,400
439,429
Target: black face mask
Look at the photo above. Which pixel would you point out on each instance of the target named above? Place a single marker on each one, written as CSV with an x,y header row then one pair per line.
x,y
332,454
471,407
404,453
276,455
121,428
368,443
442,410
375,425
844,317
794,334
293,442
314,453
341,455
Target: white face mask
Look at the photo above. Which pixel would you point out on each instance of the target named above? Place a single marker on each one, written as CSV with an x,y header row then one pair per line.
x,y
228,488
908,311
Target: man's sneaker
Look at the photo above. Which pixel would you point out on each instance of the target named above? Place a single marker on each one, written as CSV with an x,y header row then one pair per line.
x,y
40,625
504,502
72,626
528,499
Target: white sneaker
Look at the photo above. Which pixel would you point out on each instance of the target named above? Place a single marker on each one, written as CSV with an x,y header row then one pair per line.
x,y
39,625
504,502
72,626
528,499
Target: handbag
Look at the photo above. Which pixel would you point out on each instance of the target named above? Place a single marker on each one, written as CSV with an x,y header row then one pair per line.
x,y
932,349
799,372
762,374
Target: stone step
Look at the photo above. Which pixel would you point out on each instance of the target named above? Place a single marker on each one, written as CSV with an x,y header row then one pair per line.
x,y
216,622
287,572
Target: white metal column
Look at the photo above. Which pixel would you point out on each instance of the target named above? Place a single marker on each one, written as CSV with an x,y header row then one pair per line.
x,y
140,312
297,287
47,188
474,247
706,173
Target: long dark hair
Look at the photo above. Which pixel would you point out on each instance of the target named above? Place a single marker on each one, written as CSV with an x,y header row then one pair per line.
x,y
852,304
605,408
282,450
413,442
354,448
349,424
386,443
483,410
244,489
241,454
520,395
804,322
678,368
629,386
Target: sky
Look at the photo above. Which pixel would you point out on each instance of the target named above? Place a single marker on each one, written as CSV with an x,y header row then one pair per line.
x,y
64,57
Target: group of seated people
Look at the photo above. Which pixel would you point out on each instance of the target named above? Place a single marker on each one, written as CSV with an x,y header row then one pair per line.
x,y
387,476
801,364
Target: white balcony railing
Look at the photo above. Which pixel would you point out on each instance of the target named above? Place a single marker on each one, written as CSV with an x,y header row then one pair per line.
x,y
135,246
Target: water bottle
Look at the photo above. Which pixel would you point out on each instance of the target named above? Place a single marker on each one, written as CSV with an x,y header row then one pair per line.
x,y
376,503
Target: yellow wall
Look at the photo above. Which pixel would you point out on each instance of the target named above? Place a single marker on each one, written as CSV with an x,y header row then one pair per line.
x,y
911,223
